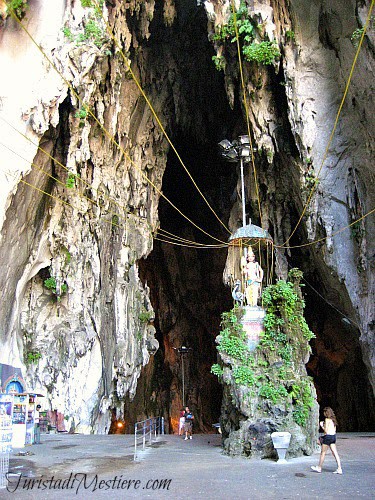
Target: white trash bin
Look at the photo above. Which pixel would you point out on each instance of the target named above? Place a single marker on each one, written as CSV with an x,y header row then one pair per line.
x,y
281,442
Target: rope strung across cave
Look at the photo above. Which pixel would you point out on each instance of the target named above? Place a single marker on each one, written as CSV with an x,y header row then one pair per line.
x,y
115,216
193,244
246,109
148,180
88,110
173,237
110,33
344,316
312,191
331,235
203,247
77,177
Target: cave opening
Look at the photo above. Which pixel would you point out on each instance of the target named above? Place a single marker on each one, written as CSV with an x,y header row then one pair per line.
x,y
186,287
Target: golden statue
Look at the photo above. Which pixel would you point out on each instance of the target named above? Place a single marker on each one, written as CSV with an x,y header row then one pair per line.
x,y
253,277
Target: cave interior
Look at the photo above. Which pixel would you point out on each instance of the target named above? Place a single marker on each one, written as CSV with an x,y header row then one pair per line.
x,y
186,284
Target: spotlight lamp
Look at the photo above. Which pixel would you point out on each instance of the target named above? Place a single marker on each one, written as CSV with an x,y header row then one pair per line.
x,y
244,140
239,150
225,144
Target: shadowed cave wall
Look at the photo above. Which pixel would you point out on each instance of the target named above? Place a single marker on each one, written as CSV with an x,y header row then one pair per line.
x,y
185,284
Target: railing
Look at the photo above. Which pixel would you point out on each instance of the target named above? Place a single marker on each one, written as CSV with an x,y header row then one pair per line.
x,y
146,430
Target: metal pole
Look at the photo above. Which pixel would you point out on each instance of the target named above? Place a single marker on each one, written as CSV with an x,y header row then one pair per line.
x,y
183,380
243,195
135,441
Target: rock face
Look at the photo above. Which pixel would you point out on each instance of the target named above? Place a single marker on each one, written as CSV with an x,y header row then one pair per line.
x,y
267,389
86,164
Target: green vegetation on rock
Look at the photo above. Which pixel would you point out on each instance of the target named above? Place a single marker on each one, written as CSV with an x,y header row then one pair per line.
x,y
32,357
51,284
19,7
254,47
274,372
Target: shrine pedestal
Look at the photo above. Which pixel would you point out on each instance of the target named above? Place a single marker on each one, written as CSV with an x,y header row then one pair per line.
x,y
253,324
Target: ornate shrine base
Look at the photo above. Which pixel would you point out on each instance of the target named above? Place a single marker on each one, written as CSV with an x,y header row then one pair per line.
x,y
253,324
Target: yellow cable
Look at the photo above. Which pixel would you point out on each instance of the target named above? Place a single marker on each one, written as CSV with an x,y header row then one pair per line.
x,y
187,246
88,110
246,110
326,237
167,234
96,204
81,180
61,165
334,126
110,32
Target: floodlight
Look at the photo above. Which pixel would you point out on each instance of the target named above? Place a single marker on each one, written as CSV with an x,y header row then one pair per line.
x,y
245,151
225,144
231,155
244,139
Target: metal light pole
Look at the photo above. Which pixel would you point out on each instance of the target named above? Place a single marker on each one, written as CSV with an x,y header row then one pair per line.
x,y
183,350
243,194
238,150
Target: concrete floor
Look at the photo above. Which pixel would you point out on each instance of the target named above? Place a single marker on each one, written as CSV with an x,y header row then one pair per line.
x,y
68,466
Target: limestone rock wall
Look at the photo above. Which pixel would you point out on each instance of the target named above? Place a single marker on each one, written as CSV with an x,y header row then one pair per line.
x,y
87,227
292,110
82,219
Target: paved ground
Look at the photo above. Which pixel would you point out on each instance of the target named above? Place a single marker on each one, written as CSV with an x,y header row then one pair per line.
x,y
76,466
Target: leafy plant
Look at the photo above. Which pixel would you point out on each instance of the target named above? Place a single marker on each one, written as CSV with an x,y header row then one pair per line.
x,y
245,26
68,34
32,357
219,62
97,5
81,113
68,255
303,401
145,316
243,375
264,52
273,392
19,7
70,180
232,337
290,36
216,369
92,32
356,36
51,284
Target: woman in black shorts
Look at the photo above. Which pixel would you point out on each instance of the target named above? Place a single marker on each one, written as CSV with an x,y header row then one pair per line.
x,y
328,440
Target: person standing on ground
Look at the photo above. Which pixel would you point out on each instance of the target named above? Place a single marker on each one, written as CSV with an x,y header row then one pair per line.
x,y
37,425
329,440
189,417
181,423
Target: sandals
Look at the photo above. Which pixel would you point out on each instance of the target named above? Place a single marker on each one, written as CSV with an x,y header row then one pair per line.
x,y
315,468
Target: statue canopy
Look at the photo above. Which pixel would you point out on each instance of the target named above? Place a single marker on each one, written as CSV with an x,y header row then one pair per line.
x,y
250,234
